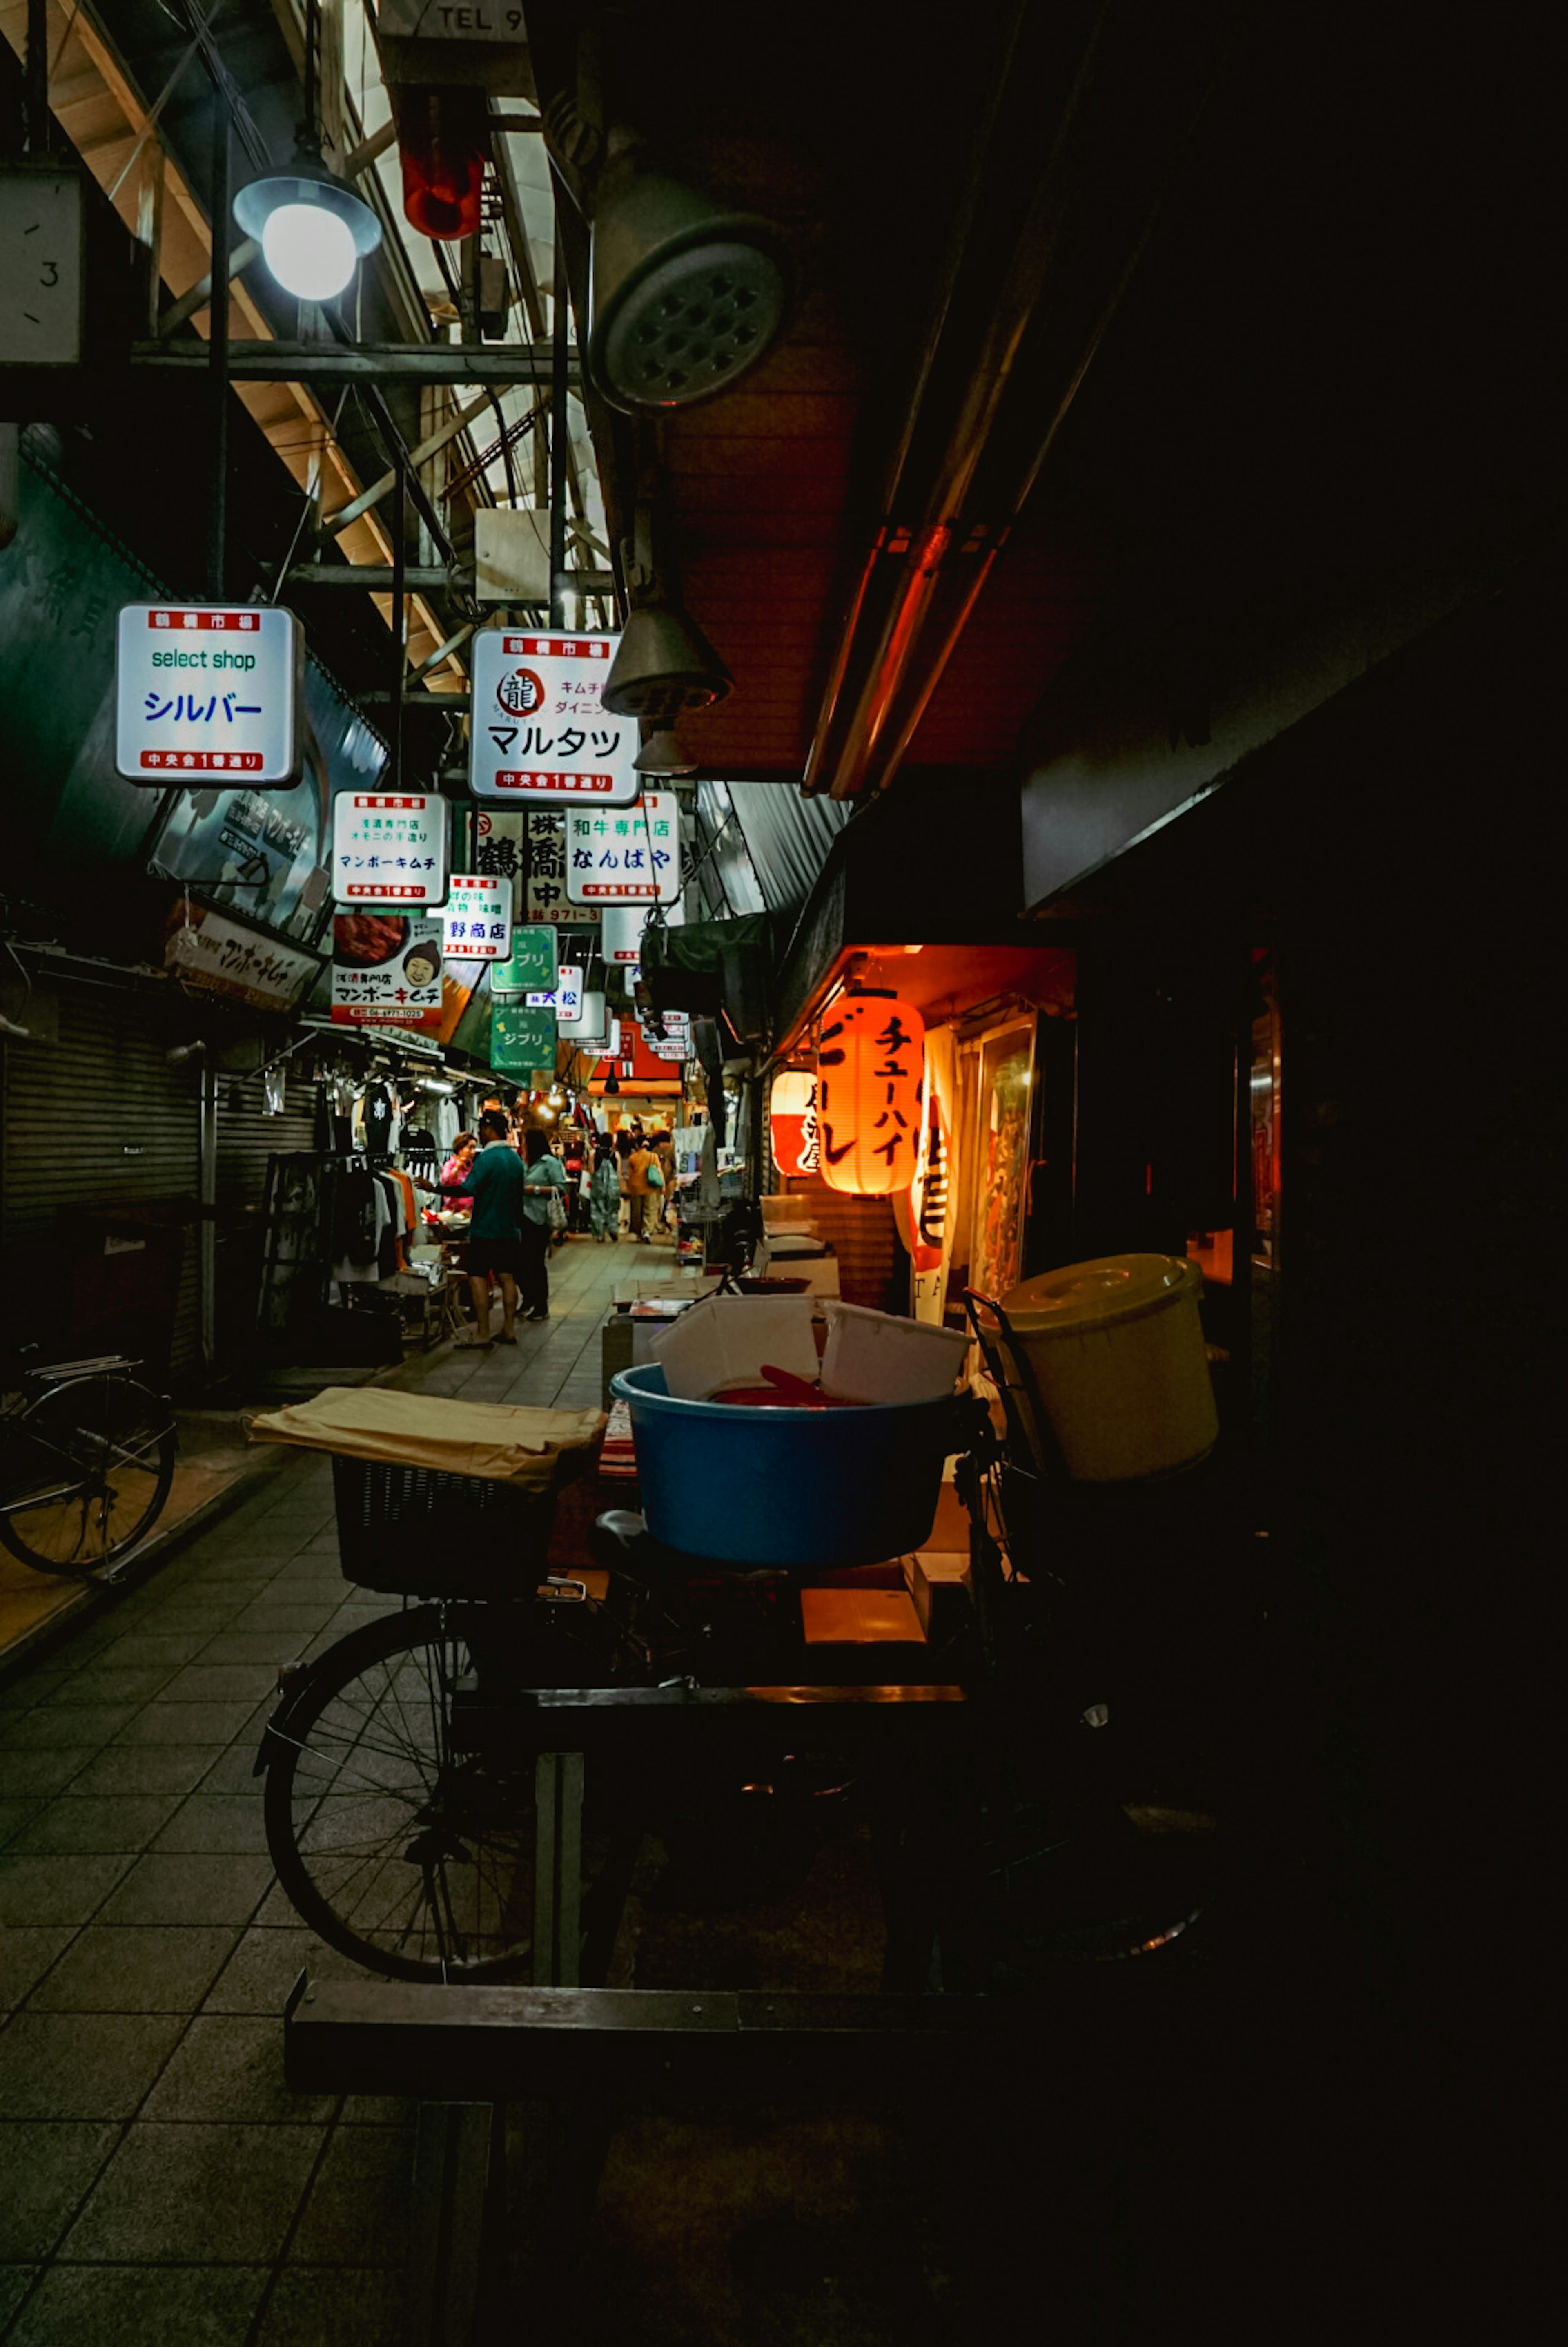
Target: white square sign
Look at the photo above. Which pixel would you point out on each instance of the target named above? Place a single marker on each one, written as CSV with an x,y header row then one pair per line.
x,y
214,690
388,848
623,927
540,729
479,918
566,1000
626,859
386,970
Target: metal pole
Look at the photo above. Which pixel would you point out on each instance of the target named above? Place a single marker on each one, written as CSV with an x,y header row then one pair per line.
x,y
217,356
400,526
37,78
207,1191
559,439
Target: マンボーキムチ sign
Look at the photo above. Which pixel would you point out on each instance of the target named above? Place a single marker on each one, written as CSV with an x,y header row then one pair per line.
x,y
214,690
540,728
389,847
386,970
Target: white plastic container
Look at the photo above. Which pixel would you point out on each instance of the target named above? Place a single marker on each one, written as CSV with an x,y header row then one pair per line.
x,y
1117,1350
875,1357
725,1340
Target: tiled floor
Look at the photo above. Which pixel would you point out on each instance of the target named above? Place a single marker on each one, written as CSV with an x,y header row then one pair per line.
x,y
161,2182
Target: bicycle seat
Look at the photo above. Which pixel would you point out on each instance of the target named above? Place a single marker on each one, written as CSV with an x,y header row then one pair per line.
x,y
61,1372
621,1542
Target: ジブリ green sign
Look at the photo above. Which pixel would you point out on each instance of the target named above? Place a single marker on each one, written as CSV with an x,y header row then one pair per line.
x,y
522,1040
532,966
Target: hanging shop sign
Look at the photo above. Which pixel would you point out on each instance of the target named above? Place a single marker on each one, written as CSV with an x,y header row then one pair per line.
x,y
602,1046
921,1209
792,1121
564,998
631,858
587,1014
498,851
521,1042
213,691
624,926
387,970
870,1072
671,1038
545,892
530,967
389,847
479,918
540,729
230,957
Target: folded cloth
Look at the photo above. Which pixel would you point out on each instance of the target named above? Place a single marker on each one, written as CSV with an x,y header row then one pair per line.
x,y
536,1450
618,1457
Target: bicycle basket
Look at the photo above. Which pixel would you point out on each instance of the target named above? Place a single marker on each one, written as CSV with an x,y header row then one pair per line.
x,y
410,1532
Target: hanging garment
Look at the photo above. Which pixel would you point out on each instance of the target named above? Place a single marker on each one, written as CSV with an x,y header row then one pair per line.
x,y
392,1228
409,1217
322,1129
378,1113
359,1222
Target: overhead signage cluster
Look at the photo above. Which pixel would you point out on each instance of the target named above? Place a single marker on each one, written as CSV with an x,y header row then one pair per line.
x,y
389,847
387,970
479,918
626,858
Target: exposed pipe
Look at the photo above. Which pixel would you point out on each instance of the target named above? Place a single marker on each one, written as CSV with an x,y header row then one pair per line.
x,y
217,354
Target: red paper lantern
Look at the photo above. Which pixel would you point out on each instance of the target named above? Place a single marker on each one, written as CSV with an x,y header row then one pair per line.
x,y
870,1069
792,1122
923,1209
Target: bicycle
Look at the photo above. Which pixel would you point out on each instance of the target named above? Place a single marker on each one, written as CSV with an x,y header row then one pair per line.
x,y
87,1460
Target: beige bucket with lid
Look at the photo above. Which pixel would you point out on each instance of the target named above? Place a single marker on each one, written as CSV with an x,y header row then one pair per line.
x,y
1117,1350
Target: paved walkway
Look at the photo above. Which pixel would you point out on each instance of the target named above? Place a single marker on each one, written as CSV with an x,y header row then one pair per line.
x,y
161,2182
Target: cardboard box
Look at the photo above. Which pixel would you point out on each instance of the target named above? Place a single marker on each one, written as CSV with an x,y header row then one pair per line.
x,y
859,1617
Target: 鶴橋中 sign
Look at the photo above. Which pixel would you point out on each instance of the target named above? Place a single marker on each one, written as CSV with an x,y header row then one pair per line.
x,y
540,729
386,970
389,847
531,966
545,892
479,918
214,690
522,1040
627,858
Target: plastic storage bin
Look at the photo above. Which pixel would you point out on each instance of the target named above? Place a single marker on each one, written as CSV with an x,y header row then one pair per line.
x,y
874,1357
1117,1350
786,1487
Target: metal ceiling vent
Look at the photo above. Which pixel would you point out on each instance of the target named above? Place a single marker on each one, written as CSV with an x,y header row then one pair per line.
x,y
686,295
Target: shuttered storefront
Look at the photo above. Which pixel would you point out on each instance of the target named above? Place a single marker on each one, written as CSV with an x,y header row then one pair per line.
x,y
99,1130
246,1138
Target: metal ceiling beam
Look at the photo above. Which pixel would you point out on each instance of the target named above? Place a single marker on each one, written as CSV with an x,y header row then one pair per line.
x,y
502,364
423,578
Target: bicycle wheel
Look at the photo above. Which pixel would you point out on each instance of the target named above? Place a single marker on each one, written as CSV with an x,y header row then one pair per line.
x,y
414,1859
83,1474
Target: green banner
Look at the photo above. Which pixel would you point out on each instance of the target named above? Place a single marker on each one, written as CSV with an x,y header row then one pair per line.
x,y
521,1042
532,966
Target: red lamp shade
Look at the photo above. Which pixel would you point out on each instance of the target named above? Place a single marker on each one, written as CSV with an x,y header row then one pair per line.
x,y
792,1120
443,144
870,1068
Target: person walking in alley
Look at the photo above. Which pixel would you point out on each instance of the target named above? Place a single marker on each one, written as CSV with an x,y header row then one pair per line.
x,y
640,1190
544,1176
494,1181
605,1193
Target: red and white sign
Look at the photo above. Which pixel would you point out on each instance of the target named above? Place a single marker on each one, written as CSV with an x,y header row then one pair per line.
x,y
479,918
386,970
215,689
388,848
792,1121
623,927
625,859
540,729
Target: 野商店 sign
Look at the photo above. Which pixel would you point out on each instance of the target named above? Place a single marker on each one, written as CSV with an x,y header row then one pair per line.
x,y
522,1040
386,970
540,728
389,847
217,689
479,918
625,859
530,967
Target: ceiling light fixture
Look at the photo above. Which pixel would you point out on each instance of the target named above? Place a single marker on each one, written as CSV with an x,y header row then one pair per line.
x,y
663,665
661,753
312,228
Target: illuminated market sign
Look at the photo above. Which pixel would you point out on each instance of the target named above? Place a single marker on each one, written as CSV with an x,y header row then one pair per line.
x,y
531,967
540,729
386,970
389,847
213,690
630,859
479,918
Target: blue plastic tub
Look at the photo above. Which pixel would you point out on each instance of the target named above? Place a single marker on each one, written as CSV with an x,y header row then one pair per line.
x,y
807,1487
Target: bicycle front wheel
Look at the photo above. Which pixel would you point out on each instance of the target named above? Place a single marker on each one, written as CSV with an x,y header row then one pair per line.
x,y
411,1857
84,1473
